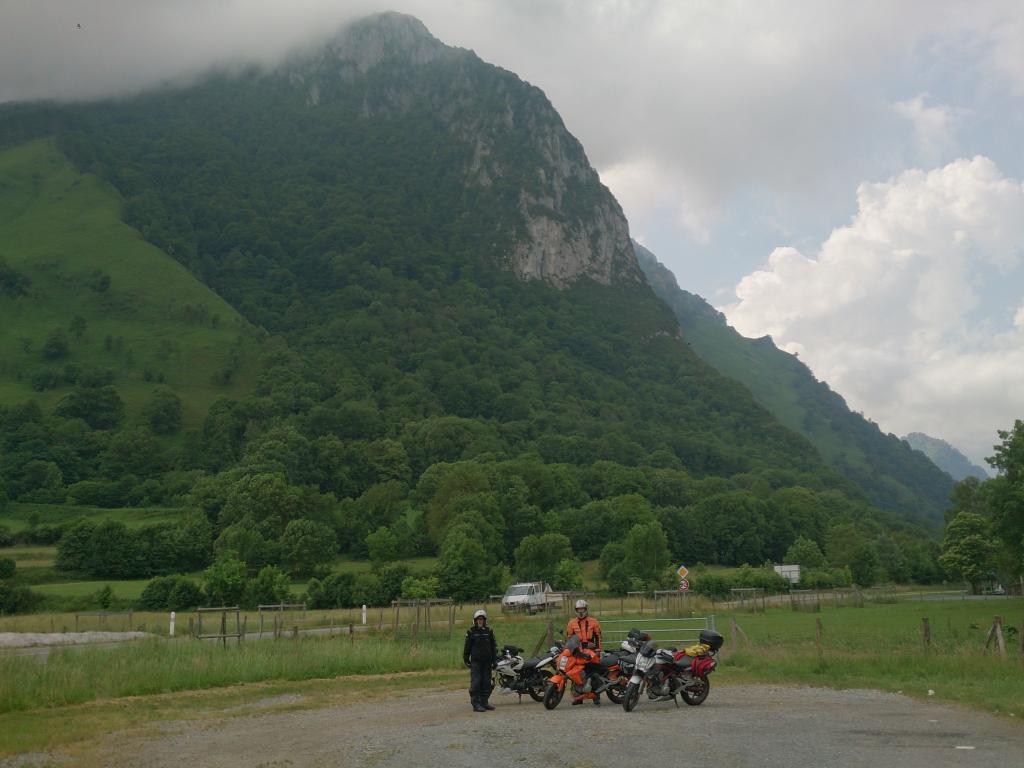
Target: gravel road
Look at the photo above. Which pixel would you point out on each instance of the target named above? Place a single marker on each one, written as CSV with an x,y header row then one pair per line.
x,y
738,726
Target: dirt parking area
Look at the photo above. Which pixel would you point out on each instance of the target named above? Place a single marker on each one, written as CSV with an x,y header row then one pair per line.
x,y
760,726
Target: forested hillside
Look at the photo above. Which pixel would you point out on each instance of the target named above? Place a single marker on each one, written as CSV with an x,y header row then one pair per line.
x,y
460,355
945,456
890,474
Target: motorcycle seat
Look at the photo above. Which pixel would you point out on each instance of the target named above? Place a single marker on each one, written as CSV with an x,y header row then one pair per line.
x,y
531,663
685,663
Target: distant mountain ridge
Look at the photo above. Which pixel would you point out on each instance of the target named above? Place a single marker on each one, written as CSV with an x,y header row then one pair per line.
x,y
945,456
890,474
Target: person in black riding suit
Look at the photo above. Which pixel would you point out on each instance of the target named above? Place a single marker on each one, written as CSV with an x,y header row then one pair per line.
x,y
480,654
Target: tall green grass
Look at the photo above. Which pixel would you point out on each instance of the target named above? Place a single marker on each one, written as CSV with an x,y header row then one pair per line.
x,y
877,646
138,669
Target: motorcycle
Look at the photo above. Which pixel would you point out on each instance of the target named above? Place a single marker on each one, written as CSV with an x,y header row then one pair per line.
x,y
586,672
672,674
514,674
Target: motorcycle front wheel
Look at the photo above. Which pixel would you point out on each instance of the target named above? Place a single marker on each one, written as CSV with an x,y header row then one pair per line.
x,y
552,696
631,697
695,694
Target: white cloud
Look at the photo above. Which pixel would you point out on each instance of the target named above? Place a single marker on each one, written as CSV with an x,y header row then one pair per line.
x,y
889,310
779,95
933,127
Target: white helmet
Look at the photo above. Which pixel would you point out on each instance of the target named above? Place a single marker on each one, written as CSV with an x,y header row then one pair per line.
x,y
481,614
581,605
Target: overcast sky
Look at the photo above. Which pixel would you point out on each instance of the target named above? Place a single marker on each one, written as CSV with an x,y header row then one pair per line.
x,y
845,176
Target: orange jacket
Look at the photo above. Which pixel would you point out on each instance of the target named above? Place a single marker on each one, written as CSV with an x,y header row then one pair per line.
x,y
588,628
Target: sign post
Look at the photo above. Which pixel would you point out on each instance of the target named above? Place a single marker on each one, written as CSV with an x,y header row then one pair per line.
x,y
682,571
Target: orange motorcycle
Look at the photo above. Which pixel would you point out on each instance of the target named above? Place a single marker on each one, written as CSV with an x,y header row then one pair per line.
x,y
586,672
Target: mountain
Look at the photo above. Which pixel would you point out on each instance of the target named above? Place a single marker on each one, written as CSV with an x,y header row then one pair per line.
x,y
945,457
456,344
892,476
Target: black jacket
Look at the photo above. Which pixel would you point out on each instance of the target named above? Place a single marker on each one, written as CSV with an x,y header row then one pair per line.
x,y
480,645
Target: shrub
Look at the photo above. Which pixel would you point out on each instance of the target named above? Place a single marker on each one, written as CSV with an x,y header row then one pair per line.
x,y
17,599
334,591
44,379
420,587
174,593
7,567
710,585
270,587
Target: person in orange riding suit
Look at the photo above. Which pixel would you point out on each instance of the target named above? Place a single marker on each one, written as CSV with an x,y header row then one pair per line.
x,y
588,629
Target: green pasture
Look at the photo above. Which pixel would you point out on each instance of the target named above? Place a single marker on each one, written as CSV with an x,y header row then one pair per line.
x,y
125,590
57,229
30,556
20,516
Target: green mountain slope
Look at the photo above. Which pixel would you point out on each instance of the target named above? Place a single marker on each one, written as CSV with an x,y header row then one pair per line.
x,y
892,476
945,456
142,320
462,348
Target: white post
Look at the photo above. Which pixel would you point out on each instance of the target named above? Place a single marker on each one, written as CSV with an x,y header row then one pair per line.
x,y
171,631
364,614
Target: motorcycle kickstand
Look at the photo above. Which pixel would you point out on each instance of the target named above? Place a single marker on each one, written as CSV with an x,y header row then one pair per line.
x,y
676,700
520,697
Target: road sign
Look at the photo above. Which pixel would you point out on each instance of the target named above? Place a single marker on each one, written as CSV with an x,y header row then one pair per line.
x,y
683,585
682,570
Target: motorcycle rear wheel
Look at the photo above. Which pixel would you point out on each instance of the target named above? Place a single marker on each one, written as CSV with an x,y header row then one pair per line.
x,y
536,692
615,693
631,697
697,693
552,696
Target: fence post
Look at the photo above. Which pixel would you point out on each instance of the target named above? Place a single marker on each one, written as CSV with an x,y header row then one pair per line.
x,y
224,628
926,634
364,614
351,634
817,640
1000,641
170,631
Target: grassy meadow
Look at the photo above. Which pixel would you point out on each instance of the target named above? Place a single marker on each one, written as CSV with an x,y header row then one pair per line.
x,y
153,321
21,515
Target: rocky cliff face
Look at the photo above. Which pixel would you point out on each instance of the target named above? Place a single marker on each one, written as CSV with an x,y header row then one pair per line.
x,y
562,224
